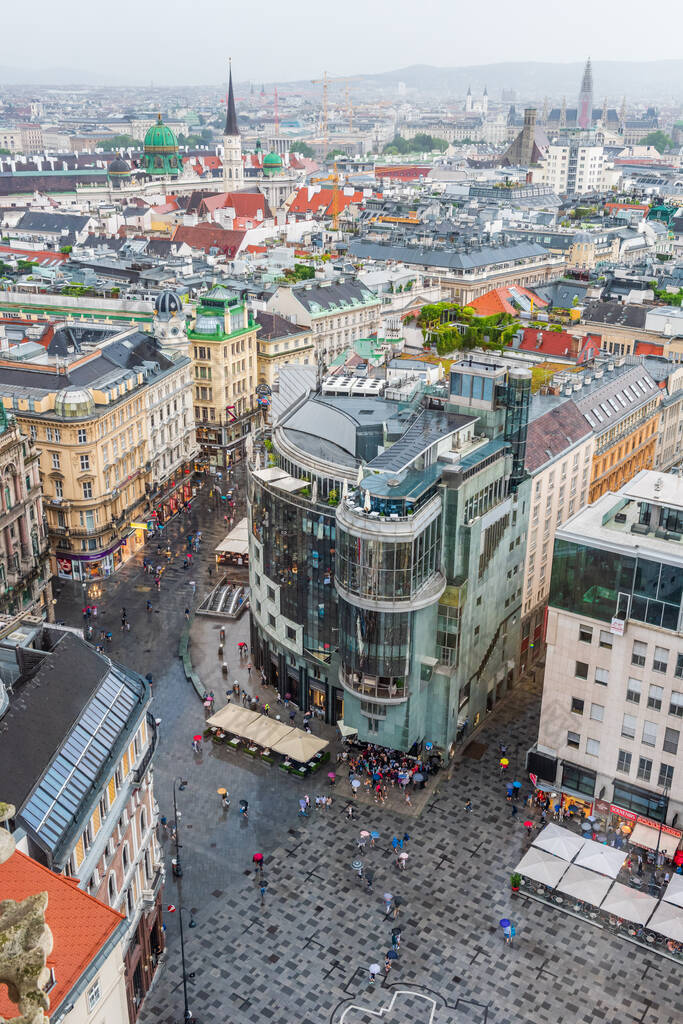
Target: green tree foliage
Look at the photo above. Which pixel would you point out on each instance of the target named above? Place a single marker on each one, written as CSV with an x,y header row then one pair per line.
x,y
660,140
304,149
115,142
301,272
421,143
453,327
334,153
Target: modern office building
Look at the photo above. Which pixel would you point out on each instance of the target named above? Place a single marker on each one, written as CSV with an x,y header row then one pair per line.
x,y
387,552
610,728
77,740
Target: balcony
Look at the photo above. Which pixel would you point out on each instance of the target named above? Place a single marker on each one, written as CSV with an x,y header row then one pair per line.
x,y
392,690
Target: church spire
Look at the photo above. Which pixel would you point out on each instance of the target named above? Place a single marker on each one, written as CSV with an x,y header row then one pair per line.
x,y
584,114
231,115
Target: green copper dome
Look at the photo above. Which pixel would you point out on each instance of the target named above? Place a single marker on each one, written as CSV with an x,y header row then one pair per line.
x,y
161,150
272,163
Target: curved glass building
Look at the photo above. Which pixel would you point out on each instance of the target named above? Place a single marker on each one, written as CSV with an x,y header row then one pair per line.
x,y
386,547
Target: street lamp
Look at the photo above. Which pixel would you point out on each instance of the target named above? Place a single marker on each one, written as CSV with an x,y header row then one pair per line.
x,y
662,803
177,869
192,924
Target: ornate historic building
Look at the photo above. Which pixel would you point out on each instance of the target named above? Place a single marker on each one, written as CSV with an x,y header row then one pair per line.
x,y
161,151
24,572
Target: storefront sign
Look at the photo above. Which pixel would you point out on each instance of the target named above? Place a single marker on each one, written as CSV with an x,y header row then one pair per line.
x,y
617,626
621,812
139,526
534,778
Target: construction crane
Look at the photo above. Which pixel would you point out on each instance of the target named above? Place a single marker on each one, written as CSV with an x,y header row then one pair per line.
x,y
277,115
325,81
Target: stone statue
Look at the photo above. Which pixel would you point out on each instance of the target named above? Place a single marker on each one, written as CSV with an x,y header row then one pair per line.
x,y
25,941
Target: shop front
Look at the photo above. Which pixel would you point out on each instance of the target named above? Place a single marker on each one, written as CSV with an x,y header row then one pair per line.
x,y
97,565
577,790
644,832
174,494
317,697
143,957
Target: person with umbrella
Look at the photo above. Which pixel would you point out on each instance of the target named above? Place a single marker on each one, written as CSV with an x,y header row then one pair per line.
x,y
504,762
244,809
401,861
528,825
374,971
395,938
387,902
508,930
197,744
223,794
373,835
331,776
257,861
388,959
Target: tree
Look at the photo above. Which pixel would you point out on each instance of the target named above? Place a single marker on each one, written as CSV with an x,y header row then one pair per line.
x,y
115,142
420,143
303,149
660,140
189,140
335,152
5,152
66,249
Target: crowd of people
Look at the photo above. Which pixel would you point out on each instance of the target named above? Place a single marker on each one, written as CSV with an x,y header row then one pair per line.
x,y
378,769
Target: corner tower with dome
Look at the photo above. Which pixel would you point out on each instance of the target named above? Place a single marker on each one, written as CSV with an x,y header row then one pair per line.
x,y
169,322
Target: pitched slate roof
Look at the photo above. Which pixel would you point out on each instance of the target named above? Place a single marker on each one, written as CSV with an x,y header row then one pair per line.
x,y
274,326
210,236
39,220
333,295
554,433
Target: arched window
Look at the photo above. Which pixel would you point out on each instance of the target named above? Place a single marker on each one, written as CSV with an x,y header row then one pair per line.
x,y
129,902
126,857
111,886
143,821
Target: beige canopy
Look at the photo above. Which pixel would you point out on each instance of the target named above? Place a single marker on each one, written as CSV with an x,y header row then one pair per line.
x,y
299,745
585,885
233,718
667,920
560,841
674,891
237,541
644,835
266,732
542,867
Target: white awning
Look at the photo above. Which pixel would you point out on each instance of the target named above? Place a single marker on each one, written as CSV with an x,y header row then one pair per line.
x,y
584,885
237,541
290,483
542,867
346,730
667,920
603,859
269,474
646,836
628,903
674,891
560,841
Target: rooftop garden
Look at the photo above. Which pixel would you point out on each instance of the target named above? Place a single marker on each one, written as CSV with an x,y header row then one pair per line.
x,y
450,327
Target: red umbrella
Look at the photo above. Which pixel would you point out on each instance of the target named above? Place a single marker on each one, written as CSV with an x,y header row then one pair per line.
x,y
257,858
196,737
528,824
678,857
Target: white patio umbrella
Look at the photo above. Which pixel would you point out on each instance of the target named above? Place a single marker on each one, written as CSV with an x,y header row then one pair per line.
x,y
625,902
345,490
668,920
366,504
674,891
559,841
603,859
584,885
542,867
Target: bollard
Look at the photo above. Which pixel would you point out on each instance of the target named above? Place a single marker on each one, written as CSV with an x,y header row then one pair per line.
x,y
225,669
222,634
220,650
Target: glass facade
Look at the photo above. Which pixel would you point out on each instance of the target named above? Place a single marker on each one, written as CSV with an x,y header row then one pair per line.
x,y
601,584
298,543
632,798
375,644
388,570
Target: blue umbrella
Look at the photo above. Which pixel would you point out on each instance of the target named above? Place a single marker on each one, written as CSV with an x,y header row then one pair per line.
x,y
504,923
392,954
517,785
374,835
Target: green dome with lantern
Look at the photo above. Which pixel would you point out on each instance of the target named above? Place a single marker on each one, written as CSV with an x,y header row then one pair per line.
x,y
272,163
161,150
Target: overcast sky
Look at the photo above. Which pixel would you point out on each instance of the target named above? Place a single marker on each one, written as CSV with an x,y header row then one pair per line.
x,y
172,42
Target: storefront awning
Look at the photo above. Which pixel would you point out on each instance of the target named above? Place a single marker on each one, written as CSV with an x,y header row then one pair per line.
x,y
542,867
584,885
625,902
346,730
667,920
674,891
237,541
645,836
560,841
603,859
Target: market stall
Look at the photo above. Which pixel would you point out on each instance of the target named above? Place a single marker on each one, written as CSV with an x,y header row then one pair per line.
x,y
234,549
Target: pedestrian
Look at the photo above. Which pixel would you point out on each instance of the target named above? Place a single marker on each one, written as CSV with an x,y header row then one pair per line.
x,y
302,808
127,626
387,964
225,801
187,613
194,587
388,898
395,938
263,886
369,875
397,906
514,810
374,971
149,606
468,805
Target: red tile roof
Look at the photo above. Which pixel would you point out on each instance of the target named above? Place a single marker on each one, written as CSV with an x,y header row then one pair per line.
x,y
648,348
319,202
34,255
501,300
210,236
80,924
561,343
627,206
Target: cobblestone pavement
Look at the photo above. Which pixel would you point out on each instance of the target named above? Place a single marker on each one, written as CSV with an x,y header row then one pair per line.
x,y
303,956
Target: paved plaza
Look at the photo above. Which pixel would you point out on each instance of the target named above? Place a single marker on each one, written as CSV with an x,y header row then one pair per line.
x,y
303,956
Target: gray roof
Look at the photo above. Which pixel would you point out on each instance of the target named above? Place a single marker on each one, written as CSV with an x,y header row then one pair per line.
x,y
273,326
429,427
554,433
606,402
470,259
37,220
616,313
334,295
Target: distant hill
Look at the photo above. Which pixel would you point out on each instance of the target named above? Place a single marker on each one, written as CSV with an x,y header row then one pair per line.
x,y
637,80
50,76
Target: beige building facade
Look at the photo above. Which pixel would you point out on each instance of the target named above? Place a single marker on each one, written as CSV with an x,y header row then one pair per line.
x,y
281,343
612,710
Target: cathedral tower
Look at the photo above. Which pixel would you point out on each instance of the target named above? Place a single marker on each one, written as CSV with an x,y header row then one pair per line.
x,y
584,114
